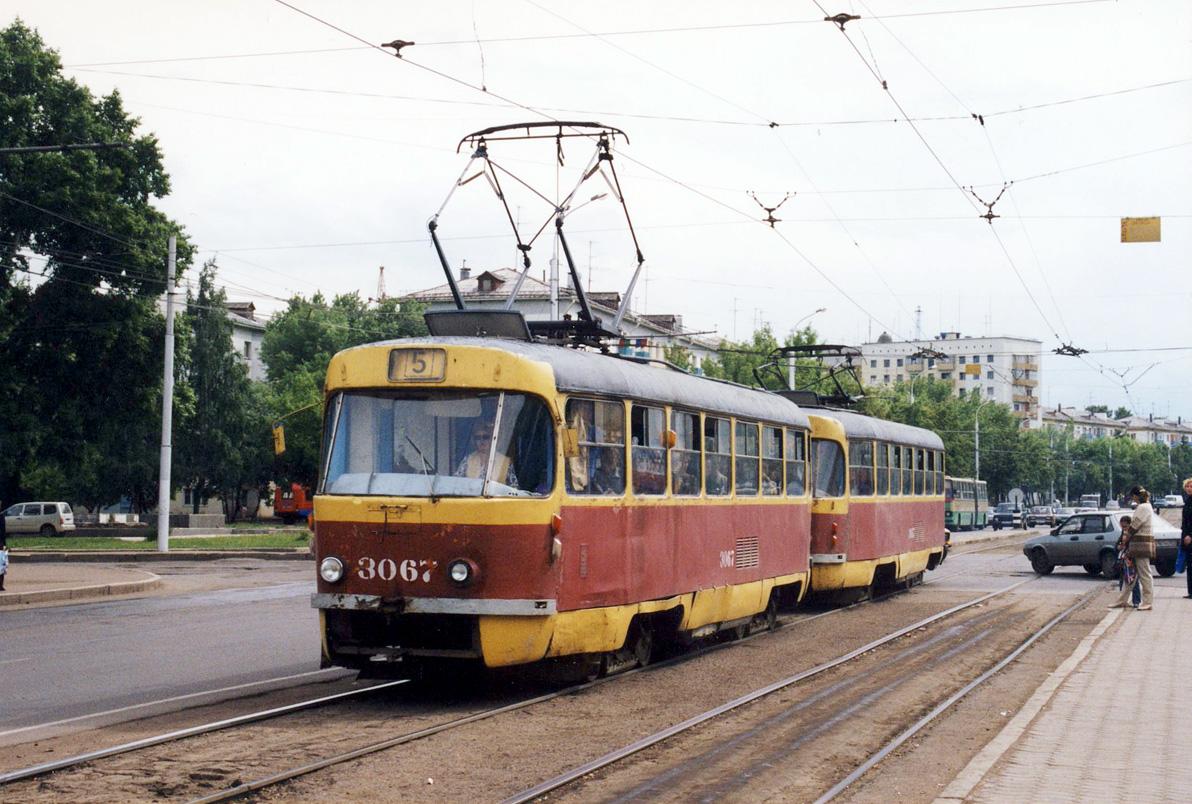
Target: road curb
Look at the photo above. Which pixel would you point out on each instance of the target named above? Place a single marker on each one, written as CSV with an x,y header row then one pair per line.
x,y
11,599
112,556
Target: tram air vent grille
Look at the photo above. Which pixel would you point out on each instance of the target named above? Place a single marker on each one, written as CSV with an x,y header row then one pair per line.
x,y
746,554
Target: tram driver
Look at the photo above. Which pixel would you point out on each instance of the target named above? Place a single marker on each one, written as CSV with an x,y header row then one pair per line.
x,y
475,462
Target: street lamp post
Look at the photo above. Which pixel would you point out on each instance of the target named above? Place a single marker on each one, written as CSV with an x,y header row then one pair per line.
x,y
790,360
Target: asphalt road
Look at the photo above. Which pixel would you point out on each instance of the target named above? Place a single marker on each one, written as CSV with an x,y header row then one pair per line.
x,y
65,662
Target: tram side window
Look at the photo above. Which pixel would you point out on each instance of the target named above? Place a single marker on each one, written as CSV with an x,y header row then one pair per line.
x,y
919,465
907,468
931,489
827,474
717,455
600,466
747,459
771,460
883,468
796,463
646,427
939,472
895,469
685,471
860,468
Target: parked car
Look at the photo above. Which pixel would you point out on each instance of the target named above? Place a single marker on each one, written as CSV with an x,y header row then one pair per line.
x,y
1170,501
1005,515
1042,515
1090,540
46,518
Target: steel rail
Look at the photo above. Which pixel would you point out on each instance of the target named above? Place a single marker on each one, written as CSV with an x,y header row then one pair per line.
x,y
206,728
893,745
665,734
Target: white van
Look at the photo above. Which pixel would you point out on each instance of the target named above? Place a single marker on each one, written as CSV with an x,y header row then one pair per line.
x,y
46,518
1173,501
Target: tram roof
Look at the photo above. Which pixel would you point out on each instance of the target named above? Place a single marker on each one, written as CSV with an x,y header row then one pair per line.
x,y
587,372
858,425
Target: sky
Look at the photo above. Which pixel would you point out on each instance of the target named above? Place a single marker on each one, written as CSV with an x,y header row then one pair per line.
x,y
303,157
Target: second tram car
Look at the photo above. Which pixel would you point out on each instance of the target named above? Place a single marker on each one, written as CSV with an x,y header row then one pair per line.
x,y
966,503
505,502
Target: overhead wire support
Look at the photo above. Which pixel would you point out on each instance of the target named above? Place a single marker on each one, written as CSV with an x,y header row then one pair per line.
x,y
770,219
989,213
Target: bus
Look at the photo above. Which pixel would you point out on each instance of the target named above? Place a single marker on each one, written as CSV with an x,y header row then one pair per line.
x,y
966,503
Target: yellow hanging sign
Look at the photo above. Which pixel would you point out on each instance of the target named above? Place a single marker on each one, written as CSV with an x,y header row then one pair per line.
x,y
1140,230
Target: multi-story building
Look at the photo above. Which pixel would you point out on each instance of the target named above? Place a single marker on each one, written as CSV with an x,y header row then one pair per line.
x,y
247,334
1158,430
1085,426
1001,369
645,335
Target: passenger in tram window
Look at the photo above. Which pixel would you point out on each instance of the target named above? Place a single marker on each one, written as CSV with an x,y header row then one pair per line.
x,y
609,475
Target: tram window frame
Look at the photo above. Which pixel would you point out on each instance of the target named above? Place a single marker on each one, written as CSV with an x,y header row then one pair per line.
x,y
829,449
895,470
594,464
939,471
773,449
647,449
883,468
908,478
718,456
860,468
929,481
920,471
687,447
796,466
747,466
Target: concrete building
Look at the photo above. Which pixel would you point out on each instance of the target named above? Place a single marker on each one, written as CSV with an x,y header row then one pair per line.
x,y
1001,369
1085,426
1158,430
247,335
645,335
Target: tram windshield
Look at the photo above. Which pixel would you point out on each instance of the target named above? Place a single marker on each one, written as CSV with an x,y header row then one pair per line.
x,y
438,444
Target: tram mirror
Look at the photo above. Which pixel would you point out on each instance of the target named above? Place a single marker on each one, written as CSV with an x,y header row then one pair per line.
x,y
454,408
570,442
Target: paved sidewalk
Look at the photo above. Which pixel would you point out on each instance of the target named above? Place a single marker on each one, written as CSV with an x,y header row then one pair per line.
x,y
1078,739
35,582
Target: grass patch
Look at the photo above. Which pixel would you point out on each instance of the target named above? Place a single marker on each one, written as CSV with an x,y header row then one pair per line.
x,y
277,540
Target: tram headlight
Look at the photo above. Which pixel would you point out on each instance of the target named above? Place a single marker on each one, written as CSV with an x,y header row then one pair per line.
x,y
331,569
462,572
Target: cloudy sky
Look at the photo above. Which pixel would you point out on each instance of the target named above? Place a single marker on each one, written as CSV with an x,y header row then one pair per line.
x,y
303,158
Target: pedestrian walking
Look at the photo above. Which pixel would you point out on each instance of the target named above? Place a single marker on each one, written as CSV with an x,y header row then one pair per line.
x,y
1140,548
1186,534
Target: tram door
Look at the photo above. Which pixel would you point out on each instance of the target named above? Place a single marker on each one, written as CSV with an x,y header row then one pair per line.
x,y
829,505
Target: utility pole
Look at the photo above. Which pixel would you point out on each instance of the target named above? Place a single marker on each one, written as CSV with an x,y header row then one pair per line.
x,y
977,445
1110,497
167,410
1051,455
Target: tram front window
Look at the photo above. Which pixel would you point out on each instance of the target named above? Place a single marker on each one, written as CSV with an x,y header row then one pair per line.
x,y
490,444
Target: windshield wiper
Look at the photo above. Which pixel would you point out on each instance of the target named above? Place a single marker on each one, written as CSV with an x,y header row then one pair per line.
x,y
425,463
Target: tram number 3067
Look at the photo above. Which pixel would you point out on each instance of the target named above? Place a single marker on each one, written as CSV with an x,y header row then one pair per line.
x,y
409,570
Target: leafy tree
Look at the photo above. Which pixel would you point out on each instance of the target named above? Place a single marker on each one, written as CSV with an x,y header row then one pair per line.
x,y
739,360
82,259
298,345
1122,413
678,355
214,453
1097,409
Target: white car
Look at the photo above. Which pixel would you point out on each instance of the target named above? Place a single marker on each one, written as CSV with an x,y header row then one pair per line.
x,y
46,518
1173,501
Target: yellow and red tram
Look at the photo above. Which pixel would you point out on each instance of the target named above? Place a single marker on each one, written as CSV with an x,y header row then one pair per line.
x,y
506,501
511,501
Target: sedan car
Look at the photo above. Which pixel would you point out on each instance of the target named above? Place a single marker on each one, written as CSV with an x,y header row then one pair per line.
x,y
1005,515
1090,540
1042,515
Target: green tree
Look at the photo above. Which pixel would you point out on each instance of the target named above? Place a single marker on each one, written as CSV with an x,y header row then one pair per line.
x,y
740,361
82,260
298,345
1122,413
215,456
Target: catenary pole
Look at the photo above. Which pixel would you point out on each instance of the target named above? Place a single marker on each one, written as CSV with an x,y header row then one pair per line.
x,y
167,411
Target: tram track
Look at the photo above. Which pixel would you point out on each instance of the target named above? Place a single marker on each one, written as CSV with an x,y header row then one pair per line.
x,y
240,789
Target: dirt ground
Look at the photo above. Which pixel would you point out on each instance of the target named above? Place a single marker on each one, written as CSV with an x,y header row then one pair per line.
x,y
789,746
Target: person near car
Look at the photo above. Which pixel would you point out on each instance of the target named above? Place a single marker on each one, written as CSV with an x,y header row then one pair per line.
x,y
1129,574
1186,534
1141,548
3,548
